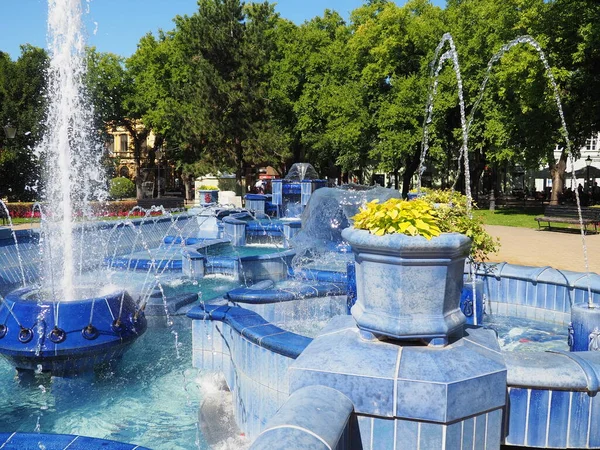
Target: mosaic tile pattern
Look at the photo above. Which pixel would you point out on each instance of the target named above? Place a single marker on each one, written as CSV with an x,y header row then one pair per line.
x,y
37,441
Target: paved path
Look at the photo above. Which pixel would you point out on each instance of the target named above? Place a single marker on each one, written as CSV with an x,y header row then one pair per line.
x,y
531,247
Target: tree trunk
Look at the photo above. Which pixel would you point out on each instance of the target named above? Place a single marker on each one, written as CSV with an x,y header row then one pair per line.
x,y
188,183
139,194
412,164
557,172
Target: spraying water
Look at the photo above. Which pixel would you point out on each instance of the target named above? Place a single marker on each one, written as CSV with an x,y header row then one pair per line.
x,y
452,55
73,175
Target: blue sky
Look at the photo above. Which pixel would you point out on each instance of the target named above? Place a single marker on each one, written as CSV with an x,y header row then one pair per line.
x,y
117,25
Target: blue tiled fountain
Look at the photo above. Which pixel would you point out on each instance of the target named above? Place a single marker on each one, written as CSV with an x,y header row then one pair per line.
x,y
400,372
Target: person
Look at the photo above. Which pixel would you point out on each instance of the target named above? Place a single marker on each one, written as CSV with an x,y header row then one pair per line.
x,y
596,193
259,186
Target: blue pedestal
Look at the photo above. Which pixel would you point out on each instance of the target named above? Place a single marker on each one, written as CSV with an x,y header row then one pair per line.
x,y
59,338
409,396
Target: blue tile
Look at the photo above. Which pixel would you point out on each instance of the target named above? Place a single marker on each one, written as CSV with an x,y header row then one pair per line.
x,y
369,395
365,426
407,434
594,428
559,419
383,434
517,416
480,430
453,436
424,401
468,433
430,436
538,418
578,431
495,423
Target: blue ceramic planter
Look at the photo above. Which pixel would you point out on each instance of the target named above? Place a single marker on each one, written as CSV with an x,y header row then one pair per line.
x,y
208,197
408,287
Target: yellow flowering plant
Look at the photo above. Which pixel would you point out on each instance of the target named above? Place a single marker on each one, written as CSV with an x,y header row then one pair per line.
x,y
413,218
435,213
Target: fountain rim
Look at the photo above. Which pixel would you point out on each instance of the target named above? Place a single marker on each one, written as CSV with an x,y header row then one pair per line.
x,y
18,295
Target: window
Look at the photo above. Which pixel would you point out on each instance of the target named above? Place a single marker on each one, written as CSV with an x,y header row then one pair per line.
x,y
110,145
124,147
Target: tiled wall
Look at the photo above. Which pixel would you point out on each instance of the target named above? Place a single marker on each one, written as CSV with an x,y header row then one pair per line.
x,y
548,411
540,293
479,432
257,377
553,419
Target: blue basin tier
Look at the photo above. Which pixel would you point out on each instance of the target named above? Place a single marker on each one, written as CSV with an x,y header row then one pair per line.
x,y
67,337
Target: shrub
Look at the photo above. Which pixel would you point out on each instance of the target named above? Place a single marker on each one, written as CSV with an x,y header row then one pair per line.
x,y
121,187
207,187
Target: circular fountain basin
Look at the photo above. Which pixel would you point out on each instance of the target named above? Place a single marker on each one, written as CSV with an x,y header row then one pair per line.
x,y
68,336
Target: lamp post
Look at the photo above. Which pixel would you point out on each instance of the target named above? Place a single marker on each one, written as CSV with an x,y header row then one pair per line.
x,y
159,155
10,130
588,163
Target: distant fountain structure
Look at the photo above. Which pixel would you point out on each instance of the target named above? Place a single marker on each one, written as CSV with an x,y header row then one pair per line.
x,y
291,194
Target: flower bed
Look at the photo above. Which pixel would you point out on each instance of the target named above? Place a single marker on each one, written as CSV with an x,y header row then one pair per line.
x,y
24,210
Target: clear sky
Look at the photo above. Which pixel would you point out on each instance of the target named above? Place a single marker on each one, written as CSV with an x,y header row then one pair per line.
x,y
117,25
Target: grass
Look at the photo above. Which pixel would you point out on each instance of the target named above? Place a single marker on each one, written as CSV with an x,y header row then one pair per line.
x,y
511,217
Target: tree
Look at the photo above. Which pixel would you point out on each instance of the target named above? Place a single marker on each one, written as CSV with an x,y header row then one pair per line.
x,y
221,89
393,46
22,103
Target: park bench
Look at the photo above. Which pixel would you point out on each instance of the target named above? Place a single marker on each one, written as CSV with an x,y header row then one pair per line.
x,y
569,215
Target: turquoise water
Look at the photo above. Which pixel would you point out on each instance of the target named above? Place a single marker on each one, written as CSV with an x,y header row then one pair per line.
x,y
151,398
526,335
173,253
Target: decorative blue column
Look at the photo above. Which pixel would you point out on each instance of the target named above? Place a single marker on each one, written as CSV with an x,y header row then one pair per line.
x,y
584,333
290,229
471,301
277,195
256,203
235,231
193,264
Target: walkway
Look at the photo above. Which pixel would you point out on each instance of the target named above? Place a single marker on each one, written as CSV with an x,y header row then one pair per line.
x,y
532,247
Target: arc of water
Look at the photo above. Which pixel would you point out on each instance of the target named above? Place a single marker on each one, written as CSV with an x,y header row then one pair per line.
x,y
15,240
564,130
3,302
453,55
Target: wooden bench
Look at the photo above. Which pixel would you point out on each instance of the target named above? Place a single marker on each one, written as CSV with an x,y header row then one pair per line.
x,y
569,215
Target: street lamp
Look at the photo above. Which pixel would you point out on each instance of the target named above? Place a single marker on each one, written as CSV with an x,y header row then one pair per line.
x,y
588,163
10,130
159,154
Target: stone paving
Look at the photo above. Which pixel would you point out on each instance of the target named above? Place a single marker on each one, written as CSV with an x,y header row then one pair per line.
x,y
558,249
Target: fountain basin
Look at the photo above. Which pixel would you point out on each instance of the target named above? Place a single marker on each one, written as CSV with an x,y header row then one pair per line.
x,y
67,337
